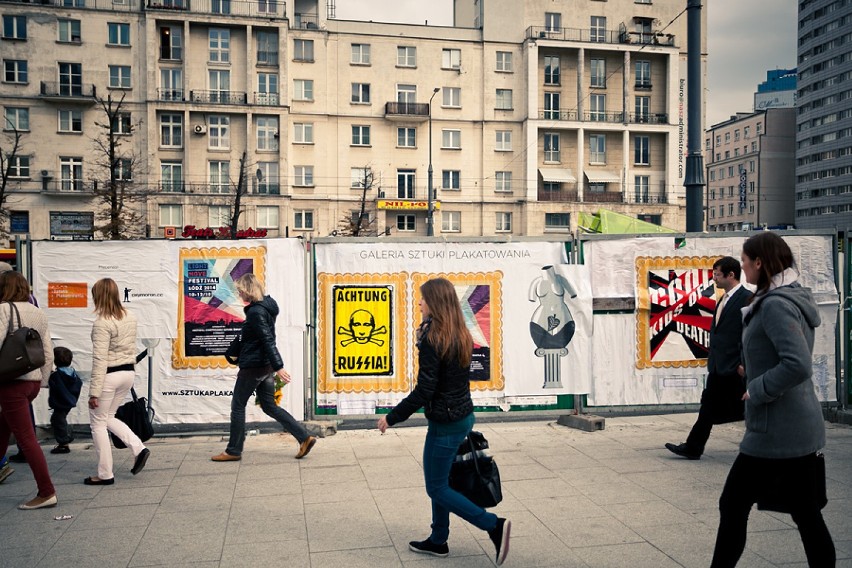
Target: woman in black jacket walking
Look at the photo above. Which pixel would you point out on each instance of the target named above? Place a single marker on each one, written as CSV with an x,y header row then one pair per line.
x,y
443,391
260,363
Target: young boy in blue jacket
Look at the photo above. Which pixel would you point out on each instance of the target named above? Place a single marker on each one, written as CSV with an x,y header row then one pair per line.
x,y
64,389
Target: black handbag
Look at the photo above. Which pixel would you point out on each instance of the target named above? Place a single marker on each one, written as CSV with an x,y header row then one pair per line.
x,y
788,489
474,473
134,413
22,350
232,354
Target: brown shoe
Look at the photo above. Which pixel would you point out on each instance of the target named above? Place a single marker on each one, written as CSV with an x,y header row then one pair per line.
x,y
225,457
305,447
39,503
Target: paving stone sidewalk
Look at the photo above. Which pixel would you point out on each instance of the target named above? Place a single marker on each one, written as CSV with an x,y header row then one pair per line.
x,y
613,498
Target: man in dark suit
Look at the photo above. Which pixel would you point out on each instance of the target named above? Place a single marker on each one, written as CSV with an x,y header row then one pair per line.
x,y
721,400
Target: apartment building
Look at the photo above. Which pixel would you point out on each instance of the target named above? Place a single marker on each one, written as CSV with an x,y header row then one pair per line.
x,y
526,113
751,171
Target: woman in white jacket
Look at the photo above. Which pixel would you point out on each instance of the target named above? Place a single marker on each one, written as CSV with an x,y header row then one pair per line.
x,y
113,361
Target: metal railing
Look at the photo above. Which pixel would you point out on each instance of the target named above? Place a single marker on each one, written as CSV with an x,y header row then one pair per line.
x,y
306,21
407,109
176,95
647,118
267,99
257,8
646,197
111,5
598,116
67,186
560,195
633,118
603,197
589,35
218,97
558,114
57,89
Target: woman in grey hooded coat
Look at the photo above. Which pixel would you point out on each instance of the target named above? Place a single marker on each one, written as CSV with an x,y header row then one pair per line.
x,y
778,467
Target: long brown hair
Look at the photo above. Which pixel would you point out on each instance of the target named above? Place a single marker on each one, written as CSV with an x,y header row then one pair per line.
x,y
107,302
774,254
447,333
14,287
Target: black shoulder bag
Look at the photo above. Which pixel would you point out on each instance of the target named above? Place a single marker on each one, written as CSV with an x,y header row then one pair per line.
x,y
22,350
134,413
474,473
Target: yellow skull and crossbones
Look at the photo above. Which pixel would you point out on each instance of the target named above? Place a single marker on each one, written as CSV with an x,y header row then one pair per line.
x,y
361,330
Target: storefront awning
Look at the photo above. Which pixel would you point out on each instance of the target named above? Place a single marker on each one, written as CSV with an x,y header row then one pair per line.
x,y
558,175
602,176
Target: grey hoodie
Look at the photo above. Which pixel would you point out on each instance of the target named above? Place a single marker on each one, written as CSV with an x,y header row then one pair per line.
x,y
783,415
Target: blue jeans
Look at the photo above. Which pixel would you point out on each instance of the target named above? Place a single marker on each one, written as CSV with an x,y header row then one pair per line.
x,y
439,451
265,387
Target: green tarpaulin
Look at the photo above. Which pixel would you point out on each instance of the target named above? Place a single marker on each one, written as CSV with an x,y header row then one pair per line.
x,y
612,223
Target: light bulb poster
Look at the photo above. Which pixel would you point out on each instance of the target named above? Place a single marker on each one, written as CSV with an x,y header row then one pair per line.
x,y
210,311
675,298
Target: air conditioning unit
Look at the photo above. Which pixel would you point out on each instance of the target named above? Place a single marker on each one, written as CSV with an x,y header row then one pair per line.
x,y
201,129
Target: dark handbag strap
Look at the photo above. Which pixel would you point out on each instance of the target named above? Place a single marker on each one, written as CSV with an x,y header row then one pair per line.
x,y
13,309
133,394
473,453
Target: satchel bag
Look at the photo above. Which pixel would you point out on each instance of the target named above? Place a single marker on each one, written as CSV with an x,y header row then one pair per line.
x,y
789,489
232,354
22,350
474,473
134,413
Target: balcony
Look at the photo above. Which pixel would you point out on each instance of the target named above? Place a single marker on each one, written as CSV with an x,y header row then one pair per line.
x,y
561,196
218,97
258,8
407,111
598,116
267,99
603,197
647,197
647,118
67,186
173,95
67,92
588,35
648,38
548,114
111,5
306,22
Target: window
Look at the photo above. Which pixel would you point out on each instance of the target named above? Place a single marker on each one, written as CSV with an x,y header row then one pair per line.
x,y
597,149
450,139
360,178
642,150
451,180
171,176
406,137
220,6
504,61
736,152
218,216
551,70
642,107
406,94
119,34
267,49
599,73
406,56
14,27
551,147
14,71
405,184
19,166
759,127
452,96
267,89
219,81
303,90
71,174
19,222
643,74
737,135
557,221
303,133
598,108
751,166
69,31
360,54
220,176
267,216
552,21
121,123
360,135
16,119
730,171
361,93
171,84
451,59
171,215
219,45
730,209
451,221
504,141
267,133
597,29
171,43
754,146
71,79
504,99
303,50
304,176
171,130
641,188
502,181
405,223
266,178
551,106
746,131
119,76
70,121
503,222
219,132
304,219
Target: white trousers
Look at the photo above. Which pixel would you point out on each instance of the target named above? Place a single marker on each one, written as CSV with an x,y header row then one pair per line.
x,y
102,419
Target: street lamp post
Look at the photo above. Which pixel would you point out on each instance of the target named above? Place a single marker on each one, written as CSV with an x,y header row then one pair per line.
x,y
430,219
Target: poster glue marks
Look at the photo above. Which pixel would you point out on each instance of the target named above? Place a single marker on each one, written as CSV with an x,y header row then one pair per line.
x,y
363,345
210,311
480,296
675,298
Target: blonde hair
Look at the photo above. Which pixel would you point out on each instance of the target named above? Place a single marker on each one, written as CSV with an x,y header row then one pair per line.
x,y
107,302
250,287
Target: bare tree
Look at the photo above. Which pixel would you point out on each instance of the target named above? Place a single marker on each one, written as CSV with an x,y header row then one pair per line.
x,y
121,216
364,223
241,189
10,154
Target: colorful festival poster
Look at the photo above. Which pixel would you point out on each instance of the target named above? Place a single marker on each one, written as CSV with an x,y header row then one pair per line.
x,y
210,311
480,297
675,300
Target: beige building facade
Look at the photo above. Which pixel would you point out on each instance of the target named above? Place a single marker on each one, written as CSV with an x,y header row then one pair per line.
x,y
527,112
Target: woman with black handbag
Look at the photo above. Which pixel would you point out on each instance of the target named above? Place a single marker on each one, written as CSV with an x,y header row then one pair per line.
x,y
778,466
17,394
443,390
113,363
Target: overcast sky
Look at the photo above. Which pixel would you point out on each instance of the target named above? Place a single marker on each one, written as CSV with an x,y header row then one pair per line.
x,y
746,38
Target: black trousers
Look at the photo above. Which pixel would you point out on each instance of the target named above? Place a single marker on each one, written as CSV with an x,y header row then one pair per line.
x,y
741,493
721,402
61,431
